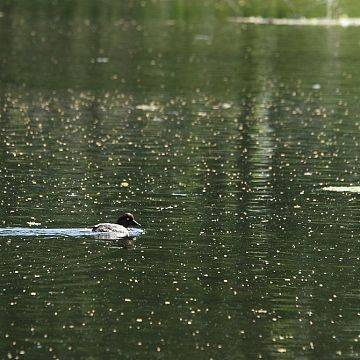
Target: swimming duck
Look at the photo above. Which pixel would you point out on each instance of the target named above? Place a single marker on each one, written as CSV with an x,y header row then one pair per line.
x,y
120,228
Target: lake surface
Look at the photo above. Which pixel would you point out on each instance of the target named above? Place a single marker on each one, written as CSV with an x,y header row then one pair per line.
x,y
219,137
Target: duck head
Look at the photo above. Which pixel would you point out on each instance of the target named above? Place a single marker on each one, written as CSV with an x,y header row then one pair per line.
x,y
127,220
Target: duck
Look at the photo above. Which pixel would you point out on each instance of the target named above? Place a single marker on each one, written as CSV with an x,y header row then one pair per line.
x,y
120,228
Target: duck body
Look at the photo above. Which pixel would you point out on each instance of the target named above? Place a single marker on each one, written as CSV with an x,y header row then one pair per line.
x,y
120,228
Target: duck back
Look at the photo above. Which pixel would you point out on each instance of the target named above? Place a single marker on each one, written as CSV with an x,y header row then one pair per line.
x,y
108,227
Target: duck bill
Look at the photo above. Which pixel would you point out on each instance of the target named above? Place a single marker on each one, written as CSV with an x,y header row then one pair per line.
x,y
135,223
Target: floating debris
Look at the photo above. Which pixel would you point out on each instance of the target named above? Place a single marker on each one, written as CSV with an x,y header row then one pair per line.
x,y
352,189
226,106
201,37
148,107
102,60
33,223
344,22
316,86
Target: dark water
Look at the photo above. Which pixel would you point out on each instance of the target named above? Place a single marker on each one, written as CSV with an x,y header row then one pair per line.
x,y
219,138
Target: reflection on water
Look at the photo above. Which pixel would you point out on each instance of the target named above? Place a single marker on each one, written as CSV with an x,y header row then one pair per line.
x,y
221,139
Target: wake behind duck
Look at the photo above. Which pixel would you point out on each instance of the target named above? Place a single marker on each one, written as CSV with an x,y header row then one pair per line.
x,y
108,231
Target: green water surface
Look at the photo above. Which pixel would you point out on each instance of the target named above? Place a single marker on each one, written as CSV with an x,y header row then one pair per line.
x,y
219,137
